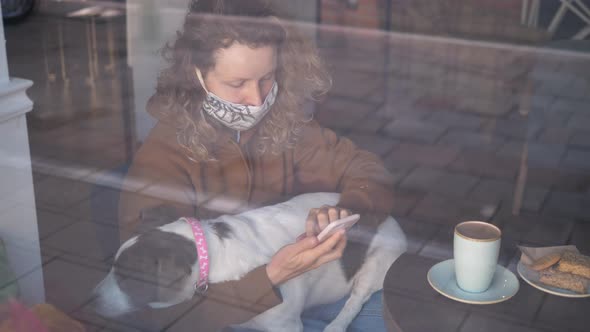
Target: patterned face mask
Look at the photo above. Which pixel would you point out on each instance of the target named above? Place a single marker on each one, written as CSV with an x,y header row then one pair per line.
x,y
236,116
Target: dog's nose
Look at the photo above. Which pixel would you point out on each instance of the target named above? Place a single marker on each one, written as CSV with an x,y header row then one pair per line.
x,y
100,308
97,305
108,300
106,307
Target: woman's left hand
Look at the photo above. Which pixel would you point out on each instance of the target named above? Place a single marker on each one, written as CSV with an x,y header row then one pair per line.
x,y
319,218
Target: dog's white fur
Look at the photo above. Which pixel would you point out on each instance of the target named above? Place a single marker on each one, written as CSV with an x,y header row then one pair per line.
x,y
256,236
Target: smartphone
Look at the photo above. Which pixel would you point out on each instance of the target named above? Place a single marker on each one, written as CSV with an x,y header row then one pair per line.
x,y
333,227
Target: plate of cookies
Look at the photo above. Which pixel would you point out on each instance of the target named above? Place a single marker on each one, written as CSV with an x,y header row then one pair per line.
x,y
561,271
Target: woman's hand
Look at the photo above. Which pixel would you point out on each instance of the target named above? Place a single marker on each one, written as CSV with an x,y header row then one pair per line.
x,y
319,218
304,255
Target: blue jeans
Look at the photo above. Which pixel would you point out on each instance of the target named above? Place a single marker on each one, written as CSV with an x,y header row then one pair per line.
x,y
370,318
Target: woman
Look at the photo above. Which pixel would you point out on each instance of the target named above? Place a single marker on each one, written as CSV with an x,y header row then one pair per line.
x,y
232,135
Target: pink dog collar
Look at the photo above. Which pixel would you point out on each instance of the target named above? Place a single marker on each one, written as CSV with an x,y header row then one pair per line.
x,y
201,244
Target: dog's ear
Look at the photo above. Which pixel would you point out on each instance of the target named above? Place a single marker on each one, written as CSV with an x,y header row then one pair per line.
x,y
134,272
175,268
163,261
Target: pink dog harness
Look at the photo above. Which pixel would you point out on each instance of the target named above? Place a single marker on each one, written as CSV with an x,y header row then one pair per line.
x,y
201,244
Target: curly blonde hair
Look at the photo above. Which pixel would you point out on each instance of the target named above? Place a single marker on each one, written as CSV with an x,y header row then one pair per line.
x,y
214,24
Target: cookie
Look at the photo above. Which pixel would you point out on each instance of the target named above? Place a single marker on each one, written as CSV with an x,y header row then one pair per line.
x,y
575,263
552,277
545,262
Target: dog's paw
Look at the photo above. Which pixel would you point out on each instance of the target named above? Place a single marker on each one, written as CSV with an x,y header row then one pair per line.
x,y
335,328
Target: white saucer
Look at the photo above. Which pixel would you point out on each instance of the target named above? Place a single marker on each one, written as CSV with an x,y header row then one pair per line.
x,y
442,278
532,278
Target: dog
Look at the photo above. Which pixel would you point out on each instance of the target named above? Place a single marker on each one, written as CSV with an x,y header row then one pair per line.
x,y
237,244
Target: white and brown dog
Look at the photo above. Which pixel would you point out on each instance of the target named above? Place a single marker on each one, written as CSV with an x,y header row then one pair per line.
x,y
237,244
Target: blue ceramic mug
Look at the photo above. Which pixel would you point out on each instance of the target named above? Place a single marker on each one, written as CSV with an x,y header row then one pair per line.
x,y
476,247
